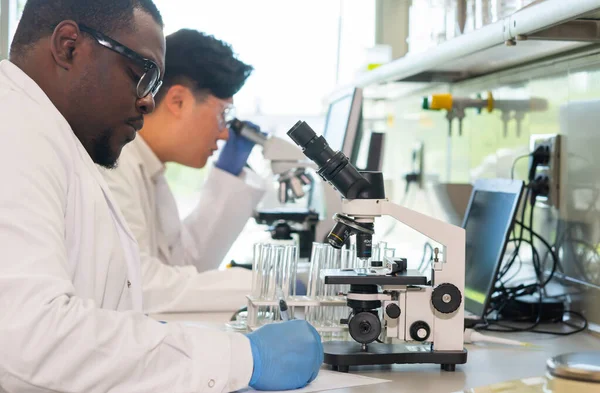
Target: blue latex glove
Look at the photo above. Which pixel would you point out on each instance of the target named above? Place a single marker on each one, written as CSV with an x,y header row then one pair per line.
x,y
287,355
235,153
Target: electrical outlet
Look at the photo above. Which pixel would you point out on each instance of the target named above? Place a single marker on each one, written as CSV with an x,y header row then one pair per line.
x,y
552,169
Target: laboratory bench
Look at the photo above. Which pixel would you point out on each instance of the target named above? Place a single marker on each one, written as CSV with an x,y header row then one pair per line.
x,y
487,363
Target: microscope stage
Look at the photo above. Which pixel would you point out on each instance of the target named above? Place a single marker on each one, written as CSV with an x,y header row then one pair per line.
x,y
288,214
363,277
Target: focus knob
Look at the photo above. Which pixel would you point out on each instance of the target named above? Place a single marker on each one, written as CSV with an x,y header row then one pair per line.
x,y
420,331
446,298
393,310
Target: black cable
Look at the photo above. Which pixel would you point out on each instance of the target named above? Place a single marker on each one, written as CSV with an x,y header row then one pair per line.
x,y
426,247
540,156
519,238
507,294
578,329
516,273
520,264
534,255
518,258
535,258
513,329
504,294
551,250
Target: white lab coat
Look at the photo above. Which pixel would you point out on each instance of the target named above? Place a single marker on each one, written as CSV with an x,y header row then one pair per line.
x,y
70,290
172,252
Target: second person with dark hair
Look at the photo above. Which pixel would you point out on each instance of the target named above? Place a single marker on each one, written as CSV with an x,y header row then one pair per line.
x,y
81,78
180,258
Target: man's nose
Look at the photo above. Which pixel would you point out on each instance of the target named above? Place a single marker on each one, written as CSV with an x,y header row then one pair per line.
x,y
145,105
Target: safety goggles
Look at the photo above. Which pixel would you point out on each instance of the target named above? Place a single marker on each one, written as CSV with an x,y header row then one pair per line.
x,y
226,116
150,81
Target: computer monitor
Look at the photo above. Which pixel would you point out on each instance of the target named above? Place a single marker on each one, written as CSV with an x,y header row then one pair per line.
x,y
370,149
488,222
343,121
342,128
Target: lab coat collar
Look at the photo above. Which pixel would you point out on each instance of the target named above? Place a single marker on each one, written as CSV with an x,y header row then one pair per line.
x,y
19,80
152,165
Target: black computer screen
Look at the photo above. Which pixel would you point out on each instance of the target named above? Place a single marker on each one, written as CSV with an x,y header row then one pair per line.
x,y
487,226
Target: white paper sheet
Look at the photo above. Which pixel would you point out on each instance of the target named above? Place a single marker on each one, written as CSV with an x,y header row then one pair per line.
x,y
329,380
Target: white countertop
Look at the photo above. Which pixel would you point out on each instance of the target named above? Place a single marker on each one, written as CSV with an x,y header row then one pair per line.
x,y
487,364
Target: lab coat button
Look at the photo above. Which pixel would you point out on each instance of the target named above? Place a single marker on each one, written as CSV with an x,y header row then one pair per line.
x,y
128,284
211,383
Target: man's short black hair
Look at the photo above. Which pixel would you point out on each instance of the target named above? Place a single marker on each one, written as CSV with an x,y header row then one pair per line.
x,y
202,63
40,18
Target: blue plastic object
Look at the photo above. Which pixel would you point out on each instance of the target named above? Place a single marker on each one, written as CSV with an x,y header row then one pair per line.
x,y
235,153
287,355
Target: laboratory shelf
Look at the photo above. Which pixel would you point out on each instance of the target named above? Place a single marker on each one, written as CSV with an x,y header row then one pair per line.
x,y
540,31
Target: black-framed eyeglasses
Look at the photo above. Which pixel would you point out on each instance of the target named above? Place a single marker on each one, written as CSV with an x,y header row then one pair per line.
x,y
150,81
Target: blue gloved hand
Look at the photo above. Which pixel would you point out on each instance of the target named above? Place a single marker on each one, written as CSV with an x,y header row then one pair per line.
x,y
287,355
235,153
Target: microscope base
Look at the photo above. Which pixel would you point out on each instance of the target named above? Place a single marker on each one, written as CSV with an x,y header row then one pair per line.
x,y
343,354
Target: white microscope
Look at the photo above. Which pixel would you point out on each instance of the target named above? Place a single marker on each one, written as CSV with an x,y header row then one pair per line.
x,y
425,314
289,166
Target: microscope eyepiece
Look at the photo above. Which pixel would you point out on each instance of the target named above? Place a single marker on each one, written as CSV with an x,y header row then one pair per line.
x,y
334,167
247,130
301,134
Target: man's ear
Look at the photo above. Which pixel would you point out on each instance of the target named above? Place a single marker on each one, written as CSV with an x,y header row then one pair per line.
x,y
63,43
177,99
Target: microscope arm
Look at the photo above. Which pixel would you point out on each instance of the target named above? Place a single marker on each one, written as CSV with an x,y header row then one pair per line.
x,y
285,155
450,236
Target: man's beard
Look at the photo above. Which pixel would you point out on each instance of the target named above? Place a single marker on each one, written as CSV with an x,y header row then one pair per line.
x,y
103,154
